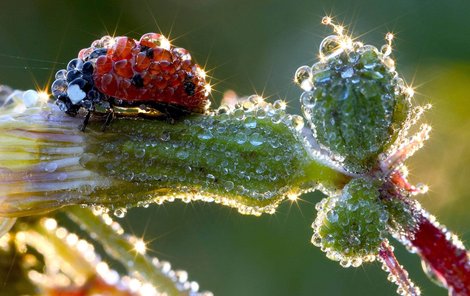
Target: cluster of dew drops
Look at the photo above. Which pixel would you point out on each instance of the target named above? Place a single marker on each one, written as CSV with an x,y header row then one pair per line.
x,y
241,120
86,251
333,45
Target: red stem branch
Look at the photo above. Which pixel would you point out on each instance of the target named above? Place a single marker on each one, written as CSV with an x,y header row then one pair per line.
x,y
444,254
399,275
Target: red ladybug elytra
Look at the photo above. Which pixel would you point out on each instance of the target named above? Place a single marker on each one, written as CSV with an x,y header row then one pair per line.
x,y
124,72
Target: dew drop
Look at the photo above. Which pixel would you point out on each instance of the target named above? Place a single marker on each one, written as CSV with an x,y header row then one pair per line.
x,y
229,185
182,154
261,113
279,105
307,100
322,76
345,263
139,153
316,240
194,287
239,114
59,88
62,176
389,63
223,110
298,122
383,217
276,118
332,216
210,177
250,122
50,167
61,74
205,135
256,139
248,105
347,73
303,77
330,45
391,278
75,64
356,262
120,213
255,99
165,137
86,189
129,176
275,143
428,270
354,241
386,50
30,98
241,138
326,20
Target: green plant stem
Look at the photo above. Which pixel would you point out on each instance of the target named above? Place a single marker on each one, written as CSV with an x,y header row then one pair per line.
x,y
251,163
121,249
73,263
249,160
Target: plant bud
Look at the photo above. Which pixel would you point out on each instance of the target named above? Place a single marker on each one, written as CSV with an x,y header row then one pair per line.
x,y
356,104
350,227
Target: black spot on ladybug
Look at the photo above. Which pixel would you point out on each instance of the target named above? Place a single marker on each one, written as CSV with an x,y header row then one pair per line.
x,y
189,86
149,53
137,81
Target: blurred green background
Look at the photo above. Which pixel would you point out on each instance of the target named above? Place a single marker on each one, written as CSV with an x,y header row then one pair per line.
x,y
255,46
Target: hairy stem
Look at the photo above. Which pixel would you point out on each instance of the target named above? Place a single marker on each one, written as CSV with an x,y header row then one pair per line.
x,y
121,249
247,159
444,256
396,272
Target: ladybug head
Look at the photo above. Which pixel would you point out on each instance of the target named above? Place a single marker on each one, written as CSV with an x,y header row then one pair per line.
x,y
74,87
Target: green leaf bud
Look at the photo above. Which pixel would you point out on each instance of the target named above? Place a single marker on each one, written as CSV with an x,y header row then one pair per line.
x,y
354,101
351,226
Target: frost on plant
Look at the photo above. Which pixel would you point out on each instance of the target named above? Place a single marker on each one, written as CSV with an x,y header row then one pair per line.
x,y
250,156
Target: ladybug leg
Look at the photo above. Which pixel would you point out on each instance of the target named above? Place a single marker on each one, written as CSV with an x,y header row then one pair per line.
x,y
85,121
168,116
109,118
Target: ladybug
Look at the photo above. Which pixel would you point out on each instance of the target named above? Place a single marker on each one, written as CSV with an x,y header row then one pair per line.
x,y
119,75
